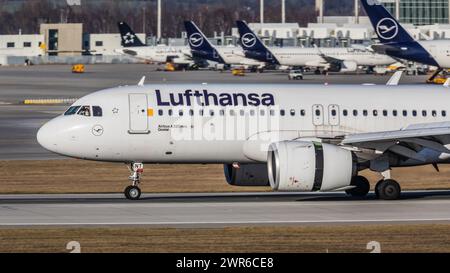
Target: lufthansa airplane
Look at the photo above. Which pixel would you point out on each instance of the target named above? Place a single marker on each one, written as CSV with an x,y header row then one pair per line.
x,y
397,42
331,59
202,48
293,138
133,46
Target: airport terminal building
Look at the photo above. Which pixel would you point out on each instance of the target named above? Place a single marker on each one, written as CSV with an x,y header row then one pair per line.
x,y
424,19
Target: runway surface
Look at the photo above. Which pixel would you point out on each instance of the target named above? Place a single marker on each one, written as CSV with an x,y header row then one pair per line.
x,y
219,210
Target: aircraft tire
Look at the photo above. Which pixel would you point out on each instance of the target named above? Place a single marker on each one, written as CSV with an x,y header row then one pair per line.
x,y
362,187
388,190
132,193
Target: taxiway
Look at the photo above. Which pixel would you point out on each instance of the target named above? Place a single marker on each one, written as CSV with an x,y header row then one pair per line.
x,y
221,210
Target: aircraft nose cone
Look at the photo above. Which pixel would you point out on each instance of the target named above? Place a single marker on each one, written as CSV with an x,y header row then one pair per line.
x,y
45,137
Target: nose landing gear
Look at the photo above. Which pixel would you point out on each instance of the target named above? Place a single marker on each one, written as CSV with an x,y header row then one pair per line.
x,y
133,192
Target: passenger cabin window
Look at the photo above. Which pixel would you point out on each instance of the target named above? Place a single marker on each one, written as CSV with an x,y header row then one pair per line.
x,y
394,113
97,111
85,111
434,113
405,113
375,113
444,113
385,113
160,112
424,113
292,112
355,113
333,113
345,113
414,113
365,113
72,110
302,113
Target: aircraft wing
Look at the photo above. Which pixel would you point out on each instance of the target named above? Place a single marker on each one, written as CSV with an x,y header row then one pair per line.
x,y
330,59
407,142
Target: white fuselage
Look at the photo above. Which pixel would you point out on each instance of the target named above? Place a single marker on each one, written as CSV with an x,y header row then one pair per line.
x,y
235,56
291,56
159,54
439,50
232,123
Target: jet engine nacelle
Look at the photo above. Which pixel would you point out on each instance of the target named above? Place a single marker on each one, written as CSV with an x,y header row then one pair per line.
x,y
309,166
247,175
348,66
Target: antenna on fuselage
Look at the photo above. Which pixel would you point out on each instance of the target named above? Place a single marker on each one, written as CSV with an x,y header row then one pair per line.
x,y
142,81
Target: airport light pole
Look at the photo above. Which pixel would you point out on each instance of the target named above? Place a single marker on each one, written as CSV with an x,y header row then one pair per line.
x,y
158,34
283,11
144,9
319,7
356,11
261,12
397,9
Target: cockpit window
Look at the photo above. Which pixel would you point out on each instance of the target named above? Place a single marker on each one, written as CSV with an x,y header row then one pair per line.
x,y
72,110
85,111
97,111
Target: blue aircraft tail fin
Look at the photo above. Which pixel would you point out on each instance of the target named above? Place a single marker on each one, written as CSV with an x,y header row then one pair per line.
x,y
200,45
249,40
387,28
128,37
253,46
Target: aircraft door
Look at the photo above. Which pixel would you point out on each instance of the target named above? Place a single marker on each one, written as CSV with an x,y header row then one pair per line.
x,y
318,115
138,114
333,115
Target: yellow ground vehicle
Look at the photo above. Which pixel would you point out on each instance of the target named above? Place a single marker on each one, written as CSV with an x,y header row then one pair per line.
x,y
170,67
238,72
78,68
437,80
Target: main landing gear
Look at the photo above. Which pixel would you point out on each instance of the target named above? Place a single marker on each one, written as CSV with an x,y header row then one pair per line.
x,y
386,189
133,192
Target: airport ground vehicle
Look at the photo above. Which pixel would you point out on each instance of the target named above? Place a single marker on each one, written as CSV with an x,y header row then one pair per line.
x,y
78,68
295,75
238,72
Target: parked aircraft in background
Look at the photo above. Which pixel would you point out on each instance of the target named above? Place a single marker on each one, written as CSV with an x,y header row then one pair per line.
x,y
330,59
201,47
133,46
397,42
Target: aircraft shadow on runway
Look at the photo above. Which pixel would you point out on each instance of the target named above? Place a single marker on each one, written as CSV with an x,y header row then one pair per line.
x,y
219,198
